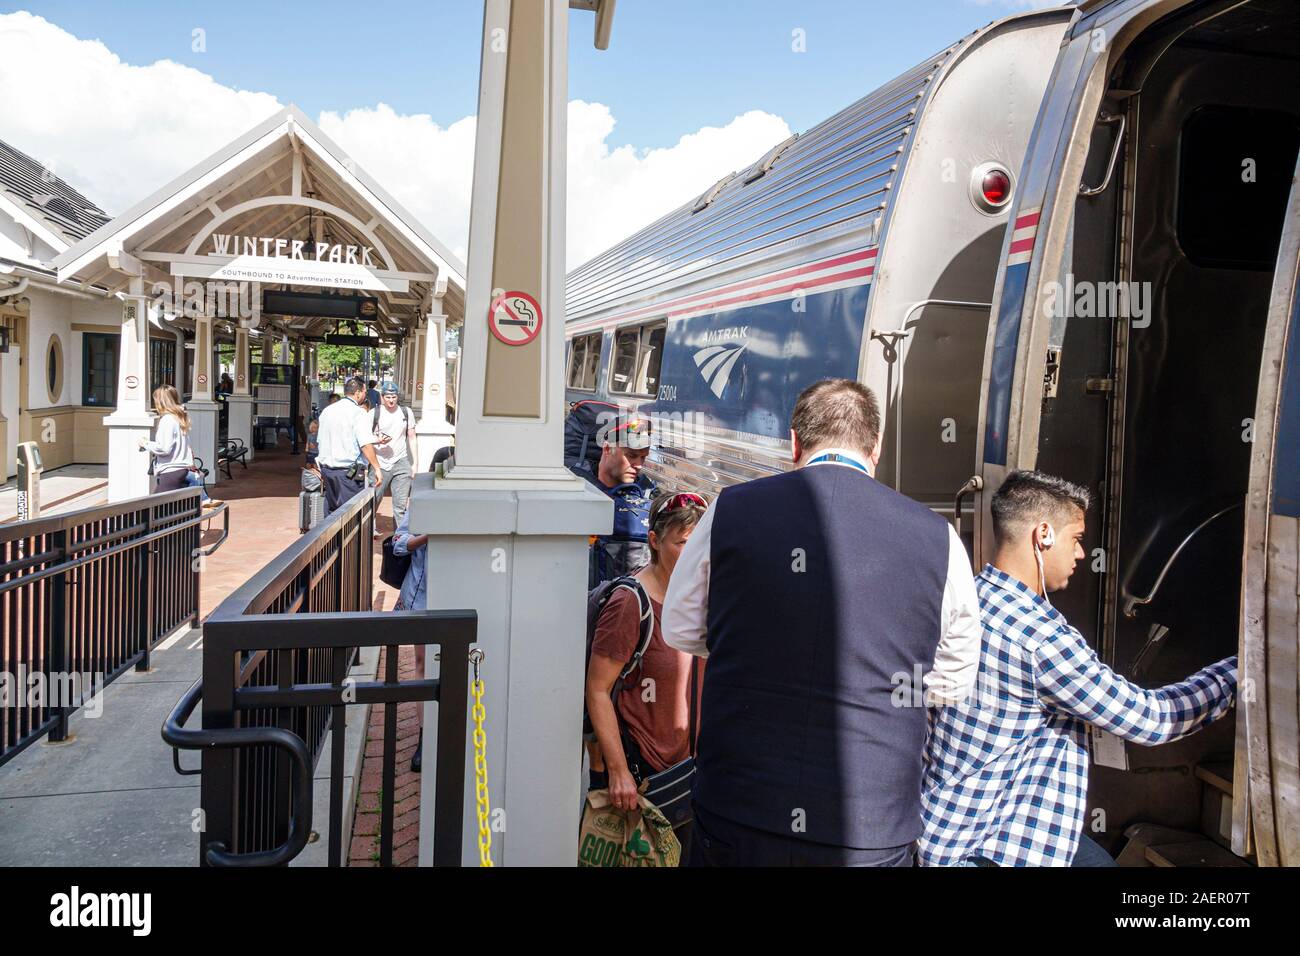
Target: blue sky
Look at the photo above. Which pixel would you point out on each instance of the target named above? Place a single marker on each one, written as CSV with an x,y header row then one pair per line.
x,y
673,66
120,97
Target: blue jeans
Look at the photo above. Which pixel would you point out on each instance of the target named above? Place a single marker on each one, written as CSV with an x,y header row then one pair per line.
x,y
1089,853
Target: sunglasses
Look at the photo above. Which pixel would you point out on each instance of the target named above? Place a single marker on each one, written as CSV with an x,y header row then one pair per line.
x,y
683,500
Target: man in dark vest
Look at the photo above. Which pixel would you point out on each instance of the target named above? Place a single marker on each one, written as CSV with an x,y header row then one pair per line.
x,y
832,611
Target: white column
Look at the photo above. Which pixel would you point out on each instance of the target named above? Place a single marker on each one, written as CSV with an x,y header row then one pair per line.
x,y
128,465
400,372
433,431
203,409
408,371
7,467
240,402
509,525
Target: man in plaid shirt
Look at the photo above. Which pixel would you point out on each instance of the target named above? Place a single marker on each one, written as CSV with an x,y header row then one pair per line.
x,y
1006,771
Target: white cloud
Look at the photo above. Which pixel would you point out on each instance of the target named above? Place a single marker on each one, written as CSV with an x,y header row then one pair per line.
x,y
427,168
117,132
614,192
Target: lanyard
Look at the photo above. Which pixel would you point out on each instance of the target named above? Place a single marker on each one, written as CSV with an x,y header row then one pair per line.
x,y
836,459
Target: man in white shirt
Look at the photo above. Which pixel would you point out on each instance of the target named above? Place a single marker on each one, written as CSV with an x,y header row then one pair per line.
x,y
394,428
347,443
819,597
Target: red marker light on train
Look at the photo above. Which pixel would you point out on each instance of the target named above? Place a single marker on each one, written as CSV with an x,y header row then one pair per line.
x,y
990,188
996,187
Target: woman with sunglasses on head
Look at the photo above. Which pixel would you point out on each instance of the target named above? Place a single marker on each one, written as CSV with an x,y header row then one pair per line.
x,y
643,727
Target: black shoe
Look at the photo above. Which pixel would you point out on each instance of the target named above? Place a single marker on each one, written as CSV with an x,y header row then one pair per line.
x,y
418,758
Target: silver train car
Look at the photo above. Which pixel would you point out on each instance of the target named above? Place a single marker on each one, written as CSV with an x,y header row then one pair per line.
x,y
1070,241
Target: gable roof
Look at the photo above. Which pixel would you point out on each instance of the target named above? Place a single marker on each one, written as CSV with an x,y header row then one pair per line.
x,y
42,195
280,155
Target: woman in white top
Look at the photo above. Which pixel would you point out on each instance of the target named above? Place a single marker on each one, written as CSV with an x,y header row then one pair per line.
x,y
171,445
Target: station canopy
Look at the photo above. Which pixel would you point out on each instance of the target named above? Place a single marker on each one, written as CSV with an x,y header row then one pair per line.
x,y
282,209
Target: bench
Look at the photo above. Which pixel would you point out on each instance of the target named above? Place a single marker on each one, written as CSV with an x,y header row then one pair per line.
x,y
232,449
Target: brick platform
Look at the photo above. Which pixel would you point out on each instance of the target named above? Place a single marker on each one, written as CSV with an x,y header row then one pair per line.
x,y
263,504
406,807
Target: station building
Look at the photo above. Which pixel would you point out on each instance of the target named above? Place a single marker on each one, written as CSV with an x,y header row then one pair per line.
x,y
98,311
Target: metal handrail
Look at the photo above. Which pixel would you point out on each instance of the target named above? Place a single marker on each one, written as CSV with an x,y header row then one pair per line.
x,y
175,734
1132,603
1108,118
224,510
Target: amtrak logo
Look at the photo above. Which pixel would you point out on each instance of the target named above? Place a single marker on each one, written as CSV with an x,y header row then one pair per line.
x,y
715,363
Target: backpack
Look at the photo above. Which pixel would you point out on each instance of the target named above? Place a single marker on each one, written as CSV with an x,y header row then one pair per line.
x,y
627,549
581,430
596,601
406,413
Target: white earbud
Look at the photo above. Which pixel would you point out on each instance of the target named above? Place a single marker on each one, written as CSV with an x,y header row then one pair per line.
x,y
1046,540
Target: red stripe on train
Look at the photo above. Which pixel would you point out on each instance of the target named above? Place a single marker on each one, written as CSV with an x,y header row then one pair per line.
x,y
736,287
780,290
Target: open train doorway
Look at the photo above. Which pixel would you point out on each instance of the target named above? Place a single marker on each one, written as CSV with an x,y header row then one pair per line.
x,y
1178,222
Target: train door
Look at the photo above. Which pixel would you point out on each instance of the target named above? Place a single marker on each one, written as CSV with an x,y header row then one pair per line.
x,y
1266,801
1130,331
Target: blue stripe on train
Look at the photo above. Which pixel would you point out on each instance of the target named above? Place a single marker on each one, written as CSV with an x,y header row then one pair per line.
x,y
1286,463
997,419
742,369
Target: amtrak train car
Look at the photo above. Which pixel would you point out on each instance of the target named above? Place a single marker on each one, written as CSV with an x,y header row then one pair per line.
x,y
865,245
1068,242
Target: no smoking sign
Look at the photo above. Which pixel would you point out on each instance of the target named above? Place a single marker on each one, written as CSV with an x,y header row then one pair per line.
x,y
515,318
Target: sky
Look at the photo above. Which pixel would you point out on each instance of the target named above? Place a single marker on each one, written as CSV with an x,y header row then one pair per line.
x,y
120,97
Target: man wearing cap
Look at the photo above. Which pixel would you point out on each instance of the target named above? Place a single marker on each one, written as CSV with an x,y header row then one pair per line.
x,y
394,428
624,447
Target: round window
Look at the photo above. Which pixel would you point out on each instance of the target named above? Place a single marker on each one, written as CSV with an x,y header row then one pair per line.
x,y
54,369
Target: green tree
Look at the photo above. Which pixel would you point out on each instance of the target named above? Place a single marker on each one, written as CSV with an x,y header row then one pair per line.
x,y
330,357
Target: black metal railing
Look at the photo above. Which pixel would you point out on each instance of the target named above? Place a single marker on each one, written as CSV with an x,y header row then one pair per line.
x,y
88,594
276,656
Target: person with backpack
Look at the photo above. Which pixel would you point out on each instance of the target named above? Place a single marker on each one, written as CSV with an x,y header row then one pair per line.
x,y
640,692
608,446
394,428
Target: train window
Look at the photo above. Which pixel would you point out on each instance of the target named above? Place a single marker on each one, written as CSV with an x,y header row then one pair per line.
x,y
577,354
1235,172
652,357
591,367
638,355
584,360
624,367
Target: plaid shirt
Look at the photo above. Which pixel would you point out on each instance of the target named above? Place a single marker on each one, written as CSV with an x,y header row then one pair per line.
x,y
1006,771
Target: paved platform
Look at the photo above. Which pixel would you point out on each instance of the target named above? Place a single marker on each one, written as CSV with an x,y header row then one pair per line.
x,y
110,796
63,489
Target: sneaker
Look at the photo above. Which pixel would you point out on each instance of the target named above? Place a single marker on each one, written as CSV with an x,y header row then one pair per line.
x,y
213,503
418,758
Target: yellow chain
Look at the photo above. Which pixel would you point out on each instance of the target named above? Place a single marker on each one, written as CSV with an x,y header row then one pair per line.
x,y
480,772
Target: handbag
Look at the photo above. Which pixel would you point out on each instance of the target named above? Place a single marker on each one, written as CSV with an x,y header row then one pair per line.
x,y
669,789
393,568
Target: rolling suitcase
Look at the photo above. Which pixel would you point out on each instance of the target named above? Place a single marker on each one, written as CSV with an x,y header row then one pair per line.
x,y
311,501
311,510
